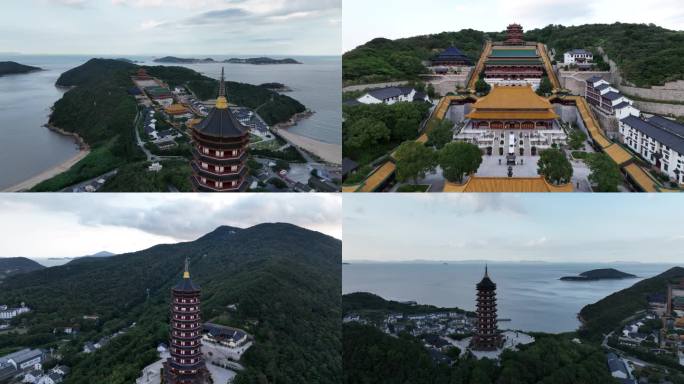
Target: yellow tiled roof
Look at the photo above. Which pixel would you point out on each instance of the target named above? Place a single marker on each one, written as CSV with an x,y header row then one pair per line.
x,y
422,139
517,115
176,109
478,184
524,98
378,177
641,178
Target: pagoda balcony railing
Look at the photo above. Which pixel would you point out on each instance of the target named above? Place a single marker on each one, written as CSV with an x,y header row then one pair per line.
x,y
195,344
240,158
176,335
180,312
181,319
176,325
226,176
204,187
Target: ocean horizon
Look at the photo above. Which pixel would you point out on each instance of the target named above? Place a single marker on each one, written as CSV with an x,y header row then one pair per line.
x,y
530,294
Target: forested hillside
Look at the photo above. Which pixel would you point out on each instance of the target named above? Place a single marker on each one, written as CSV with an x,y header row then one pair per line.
x,y
608,313
14,265
645,53
284,279
370,356
382,59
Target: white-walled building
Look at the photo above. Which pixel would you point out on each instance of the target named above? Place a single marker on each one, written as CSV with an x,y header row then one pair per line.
x,y
7,313
608,99
657,140
392,95
578,56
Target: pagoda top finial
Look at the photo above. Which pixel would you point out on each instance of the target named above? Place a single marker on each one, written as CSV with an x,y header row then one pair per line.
x,y
486,270
222,101
186,274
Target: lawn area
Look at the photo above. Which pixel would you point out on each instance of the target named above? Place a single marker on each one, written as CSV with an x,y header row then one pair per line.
x,y
579,155
271,145
414,188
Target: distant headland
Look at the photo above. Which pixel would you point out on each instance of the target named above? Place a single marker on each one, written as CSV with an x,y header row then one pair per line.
x,y
13,68
209,60
599,274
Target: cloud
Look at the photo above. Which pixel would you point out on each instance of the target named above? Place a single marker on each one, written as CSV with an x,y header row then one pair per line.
x,y
150,24
71,3
536,242
190,216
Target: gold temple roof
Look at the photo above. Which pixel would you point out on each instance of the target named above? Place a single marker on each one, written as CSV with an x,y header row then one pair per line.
x,y
641,177
512,103
476,184
378,177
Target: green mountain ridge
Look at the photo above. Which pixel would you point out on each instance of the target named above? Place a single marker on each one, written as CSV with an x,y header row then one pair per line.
x,y
10,266
608,313
284,279
599,274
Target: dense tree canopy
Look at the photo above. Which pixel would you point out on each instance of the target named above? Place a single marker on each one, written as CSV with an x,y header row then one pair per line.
x,y
554,166
441,134
414,161
459,159
605,173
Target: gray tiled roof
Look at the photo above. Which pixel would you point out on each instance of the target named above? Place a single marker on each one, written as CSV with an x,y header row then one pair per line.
x,y
612,96
389,92
622,105
602,87
672,136
579,52
593,79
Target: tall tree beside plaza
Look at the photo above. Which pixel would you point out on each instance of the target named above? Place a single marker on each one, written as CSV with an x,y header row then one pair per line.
x,y
577,139
414,161
481,86
405,129
442,134
431,91
366,132
545,87
459,159
554,166
605,173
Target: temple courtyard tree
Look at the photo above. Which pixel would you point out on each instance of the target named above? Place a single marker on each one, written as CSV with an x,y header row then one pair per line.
x,y
442,134
605,174
366,132
481,86
414,161
544,86
459,159
554,166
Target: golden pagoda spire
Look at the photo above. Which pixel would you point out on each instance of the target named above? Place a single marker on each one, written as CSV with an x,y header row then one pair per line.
x,y
222,101
186,274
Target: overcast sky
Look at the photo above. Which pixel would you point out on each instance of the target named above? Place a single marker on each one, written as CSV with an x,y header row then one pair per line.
x,y
508,227
180,27
68,225
365,20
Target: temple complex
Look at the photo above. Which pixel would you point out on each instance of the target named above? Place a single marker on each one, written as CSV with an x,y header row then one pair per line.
x,y
186,364
514,62
487,337
451,57
220,149
512,108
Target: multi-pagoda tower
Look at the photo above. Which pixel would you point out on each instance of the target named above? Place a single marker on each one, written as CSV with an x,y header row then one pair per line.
x,y
186,364
514,35
219,151
487,337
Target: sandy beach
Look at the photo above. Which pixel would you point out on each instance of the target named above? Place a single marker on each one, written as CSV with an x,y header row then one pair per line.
x,y
331,153
52,172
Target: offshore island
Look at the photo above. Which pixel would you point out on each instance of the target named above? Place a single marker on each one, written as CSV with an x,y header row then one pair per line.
x,y
14,68
252,60
147,129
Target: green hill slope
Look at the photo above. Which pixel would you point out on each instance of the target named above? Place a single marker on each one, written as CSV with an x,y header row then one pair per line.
x,y
385,60
15,265
285,281
607,314
645,53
